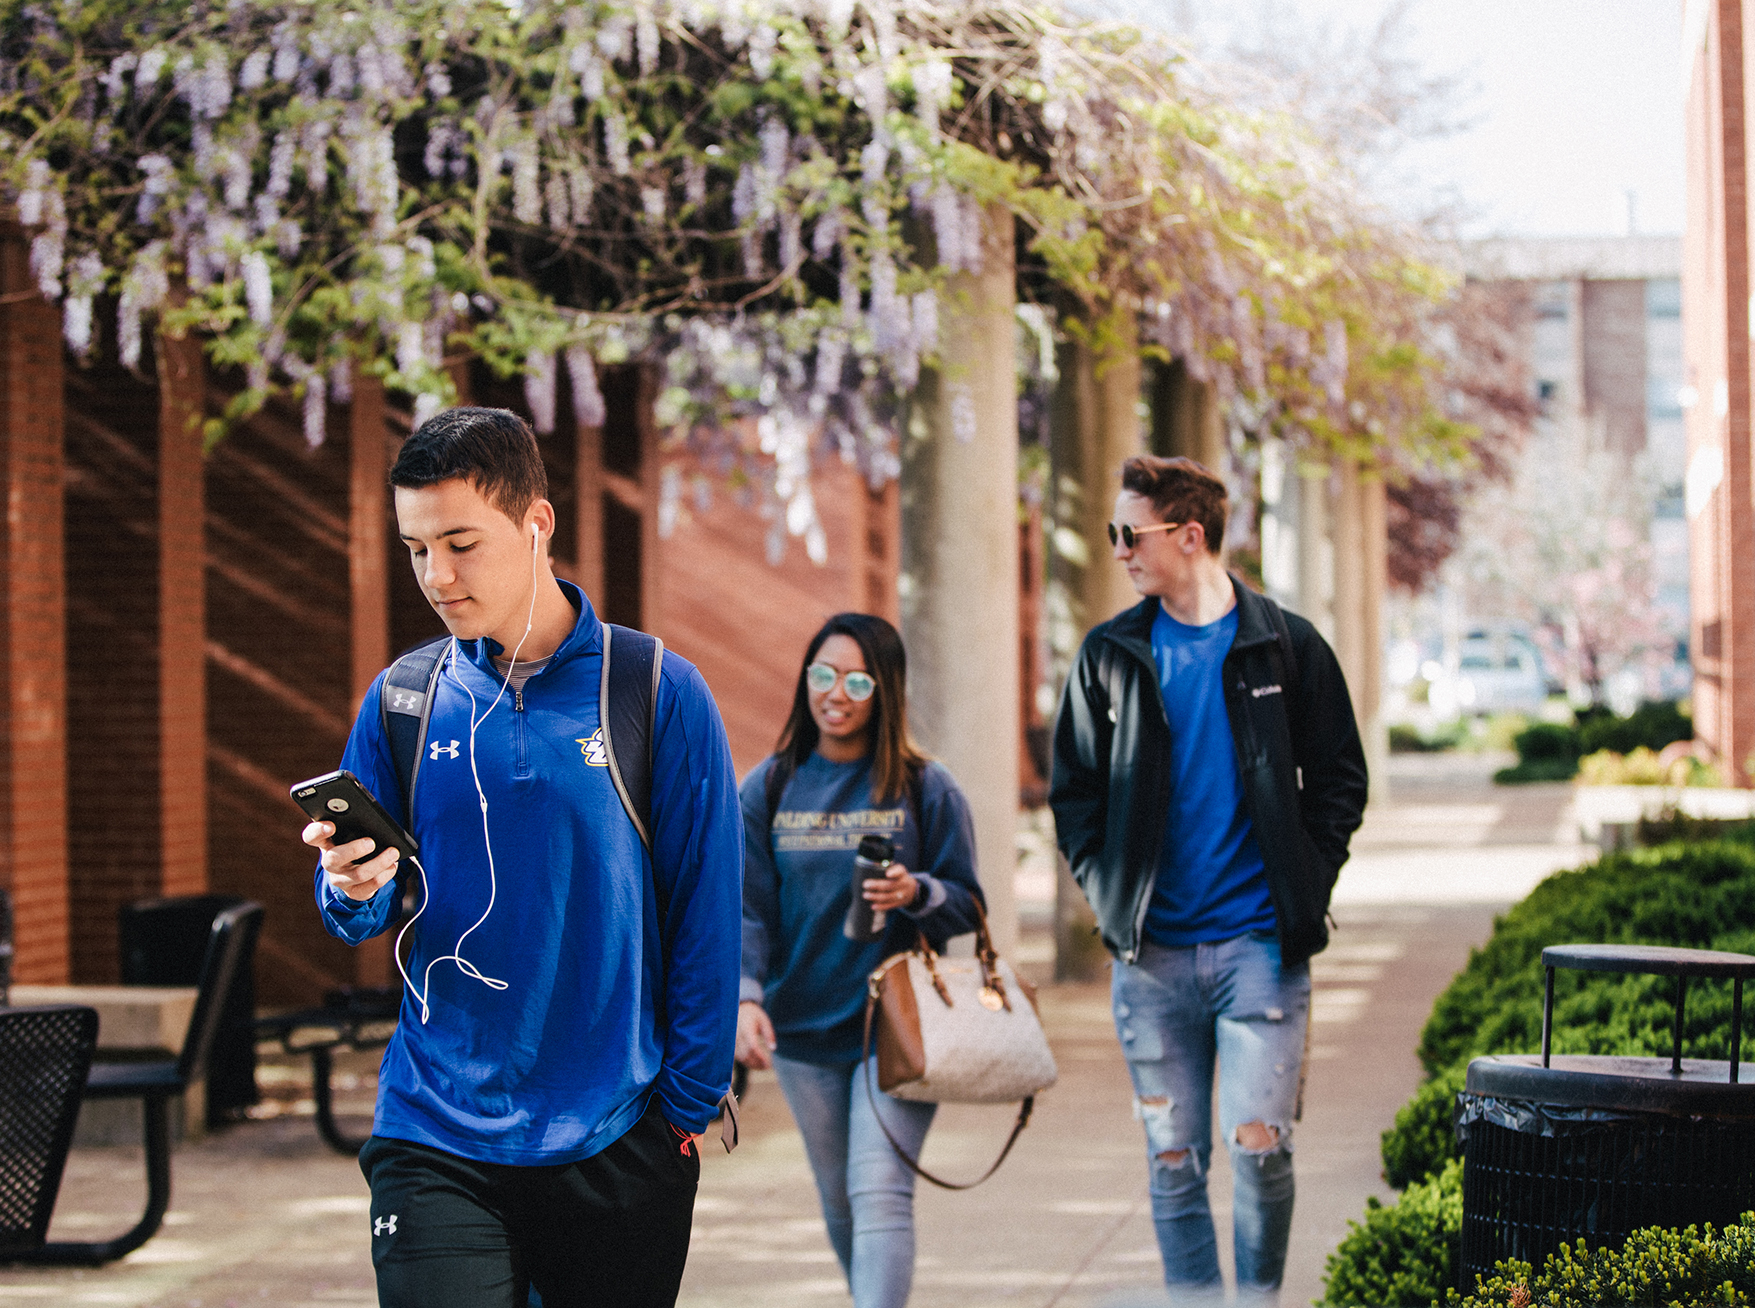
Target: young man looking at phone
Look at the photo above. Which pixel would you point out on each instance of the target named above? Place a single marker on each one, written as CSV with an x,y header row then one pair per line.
x,y
571,998
1207,778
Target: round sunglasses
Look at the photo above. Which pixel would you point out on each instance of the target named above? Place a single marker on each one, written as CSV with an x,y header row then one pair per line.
x,y
821,678
1129,535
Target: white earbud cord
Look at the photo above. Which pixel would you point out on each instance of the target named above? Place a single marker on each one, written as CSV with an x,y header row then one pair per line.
x,y
456,955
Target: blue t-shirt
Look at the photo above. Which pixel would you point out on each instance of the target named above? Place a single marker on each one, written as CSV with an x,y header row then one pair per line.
x,y
1211,882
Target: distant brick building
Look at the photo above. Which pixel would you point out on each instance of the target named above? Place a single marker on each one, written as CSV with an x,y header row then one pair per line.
x,y
1604,348
1718,318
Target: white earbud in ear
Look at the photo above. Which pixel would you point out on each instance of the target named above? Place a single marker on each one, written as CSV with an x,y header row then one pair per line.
x,y
535,537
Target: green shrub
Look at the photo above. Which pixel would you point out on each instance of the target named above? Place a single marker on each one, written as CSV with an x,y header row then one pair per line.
x,y
1423,1138
1540,769
1697,895
1402,1253
1546,741
1405,739
1656,1266
1652,726
1546,751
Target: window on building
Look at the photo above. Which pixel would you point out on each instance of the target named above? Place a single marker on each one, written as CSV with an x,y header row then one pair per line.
x,y
1663,298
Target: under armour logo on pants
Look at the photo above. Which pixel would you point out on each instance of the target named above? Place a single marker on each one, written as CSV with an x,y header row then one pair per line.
x,y
384,1225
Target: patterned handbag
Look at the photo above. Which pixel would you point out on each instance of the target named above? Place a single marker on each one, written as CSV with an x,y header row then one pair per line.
x,y
959,1031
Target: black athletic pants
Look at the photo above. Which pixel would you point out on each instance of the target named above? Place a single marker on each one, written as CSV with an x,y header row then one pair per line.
x,y
609,1232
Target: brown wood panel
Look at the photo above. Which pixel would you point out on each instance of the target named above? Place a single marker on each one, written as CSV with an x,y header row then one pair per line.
x,y
33,668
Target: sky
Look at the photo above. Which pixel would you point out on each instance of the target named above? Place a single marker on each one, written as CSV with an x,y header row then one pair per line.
x,y
1572,105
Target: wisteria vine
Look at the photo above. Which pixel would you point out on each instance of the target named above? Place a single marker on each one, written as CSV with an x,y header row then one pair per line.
x,y
771,197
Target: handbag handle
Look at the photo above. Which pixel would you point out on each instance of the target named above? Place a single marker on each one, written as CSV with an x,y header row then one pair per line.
x,y
1024,1108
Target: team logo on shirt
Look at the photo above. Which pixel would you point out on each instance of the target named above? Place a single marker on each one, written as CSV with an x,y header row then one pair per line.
x,y
592,747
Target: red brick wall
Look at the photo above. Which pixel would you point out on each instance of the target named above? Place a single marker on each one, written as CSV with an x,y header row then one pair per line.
x,y
115,845
33,687
1717,356
745,623
281,673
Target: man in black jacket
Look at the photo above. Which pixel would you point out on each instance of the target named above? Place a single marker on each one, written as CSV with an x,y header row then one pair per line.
x,y
1207,777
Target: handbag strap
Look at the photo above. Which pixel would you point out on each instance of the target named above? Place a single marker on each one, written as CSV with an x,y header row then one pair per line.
x,y
1024,1110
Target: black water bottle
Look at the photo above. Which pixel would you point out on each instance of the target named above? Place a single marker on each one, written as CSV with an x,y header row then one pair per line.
x,y
871,862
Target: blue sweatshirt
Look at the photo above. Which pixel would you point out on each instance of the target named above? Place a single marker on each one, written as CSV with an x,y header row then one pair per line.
x,y
798,885
607,1000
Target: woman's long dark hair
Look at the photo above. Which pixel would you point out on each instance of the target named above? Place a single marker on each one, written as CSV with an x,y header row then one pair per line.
x,y
894,753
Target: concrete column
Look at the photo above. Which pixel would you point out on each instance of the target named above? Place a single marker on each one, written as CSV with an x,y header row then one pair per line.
x,y
1360,575
960,560
182,599
1374,508
33,625
1106,431
368,575
1316,550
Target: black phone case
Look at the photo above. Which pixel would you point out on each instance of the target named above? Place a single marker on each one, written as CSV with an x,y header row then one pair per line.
x,y
339,798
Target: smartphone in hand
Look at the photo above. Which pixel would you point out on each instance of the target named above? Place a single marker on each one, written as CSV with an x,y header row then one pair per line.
x,y
339,799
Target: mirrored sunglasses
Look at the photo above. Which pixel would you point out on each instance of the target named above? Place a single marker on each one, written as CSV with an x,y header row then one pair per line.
x,y
1129,534
821,678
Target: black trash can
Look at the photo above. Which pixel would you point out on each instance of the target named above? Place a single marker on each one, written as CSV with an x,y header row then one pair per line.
x,y
1562,1147
163,942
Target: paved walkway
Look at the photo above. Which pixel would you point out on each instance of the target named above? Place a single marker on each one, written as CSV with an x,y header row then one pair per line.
x,y
263,1214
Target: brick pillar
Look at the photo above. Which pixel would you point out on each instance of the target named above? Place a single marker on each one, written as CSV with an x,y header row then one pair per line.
x,y
33,686
182,670
368,563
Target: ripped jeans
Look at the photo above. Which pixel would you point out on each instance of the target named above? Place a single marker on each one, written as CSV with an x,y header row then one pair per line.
x,y
1176,1011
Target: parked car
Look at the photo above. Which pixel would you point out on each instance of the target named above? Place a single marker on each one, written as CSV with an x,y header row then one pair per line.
x,y
1498,671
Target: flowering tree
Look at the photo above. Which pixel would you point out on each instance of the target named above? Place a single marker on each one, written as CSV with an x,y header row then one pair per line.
x,y
1566,547
771,198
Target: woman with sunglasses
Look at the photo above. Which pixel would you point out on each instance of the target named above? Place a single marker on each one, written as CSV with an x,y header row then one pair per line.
x,y
845,768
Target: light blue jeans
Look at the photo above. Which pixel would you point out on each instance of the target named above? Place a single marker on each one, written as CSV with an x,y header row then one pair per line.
x,y
867,1192
1177,1011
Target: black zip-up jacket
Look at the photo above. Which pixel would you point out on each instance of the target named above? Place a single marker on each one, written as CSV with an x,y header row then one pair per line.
x,y
1298,751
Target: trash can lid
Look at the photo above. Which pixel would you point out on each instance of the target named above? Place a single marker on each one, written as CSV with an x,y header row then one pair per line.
x,y
1652,960
1637,1085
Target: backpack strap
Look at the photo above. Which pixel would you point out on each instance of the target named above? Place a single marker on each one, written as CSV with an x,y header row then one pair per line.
x,y
1283,636
628,709
405,706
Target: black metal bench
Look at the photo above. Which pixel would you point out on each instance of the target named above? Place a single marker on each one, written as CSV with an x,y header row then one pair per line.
x,y
353,1017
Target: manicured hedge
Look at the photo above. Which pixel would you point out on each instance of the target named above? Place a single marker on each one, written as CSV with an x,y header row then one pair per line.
x,y
1700,895
1550,751
1402,1253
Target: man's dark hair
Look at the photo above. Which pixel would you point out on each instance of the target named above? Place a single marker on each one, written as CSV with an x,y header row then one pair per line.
x,y
1180,490
492,449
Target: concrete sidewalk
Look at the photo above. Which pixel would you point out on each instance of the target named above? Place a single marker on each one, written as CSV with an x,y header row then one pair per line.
x,y
264,1214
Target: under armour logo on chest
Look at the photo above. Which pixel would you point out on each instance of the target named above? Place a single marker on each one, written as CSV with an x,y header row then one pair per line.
x,y
439,749
384,1225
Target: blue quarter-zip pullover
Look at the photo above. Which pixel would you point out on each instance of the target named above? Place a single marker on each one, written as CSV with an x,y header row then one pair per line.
x,y
620,969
